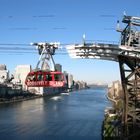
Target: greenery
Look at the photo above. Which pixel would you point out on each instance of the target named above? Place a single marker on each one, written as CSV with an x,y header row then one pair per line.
x,y
110,127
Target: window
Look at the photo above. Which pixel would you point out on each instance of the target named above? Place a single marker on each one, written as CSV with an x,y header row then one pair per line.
x,y
58,77
39,77
49,77
31,77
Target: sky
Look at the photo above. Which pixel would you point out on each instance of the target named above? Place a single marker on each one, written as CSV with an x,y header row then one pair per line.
x,y
64,21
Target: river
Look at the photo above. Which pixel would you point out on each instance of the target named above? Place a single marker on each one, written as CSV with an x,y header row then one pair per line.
x,y
77,116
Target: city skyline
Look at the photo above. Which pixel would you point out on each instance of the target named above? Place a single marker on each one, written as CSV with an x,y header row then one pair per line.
x,y
23,22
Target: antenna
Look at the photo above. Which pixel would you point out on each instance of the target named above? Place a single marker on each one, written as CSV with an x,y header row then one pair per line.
x,y
124,13
118,29
84,39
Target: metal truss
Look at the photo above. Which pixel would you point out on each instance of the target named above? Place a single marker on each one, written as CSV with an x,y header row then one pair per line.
x,y
130,76
46,52
127,54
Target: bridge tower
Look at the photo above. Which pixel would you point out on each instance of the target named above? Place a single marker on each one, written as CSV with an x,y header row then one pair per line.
x,y
46,52
130,76
127,54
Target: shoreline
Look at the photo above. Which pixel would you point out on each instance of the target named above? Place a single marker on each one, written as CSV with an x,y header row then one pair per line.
x,y
26,96
18,99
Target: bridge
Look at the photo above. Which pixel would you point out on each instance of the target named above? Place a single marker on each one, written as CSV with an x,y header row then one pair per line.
x,y
127,54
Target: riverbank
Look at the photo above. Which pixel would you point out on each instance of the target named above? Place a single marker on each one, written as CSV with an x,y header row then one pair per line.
x,y
11,94
18,98
113,115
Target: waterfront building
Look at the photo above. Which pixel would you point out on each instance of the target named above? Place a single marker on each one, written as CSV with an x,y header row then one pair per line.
x,y
84,84
115,90
20,74
4,74
69,80
80,85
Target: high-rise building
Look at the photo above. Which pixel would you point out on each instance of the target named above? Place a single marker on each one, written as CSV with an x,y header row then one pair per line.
x,y
69,79
58,67
4,73
20,74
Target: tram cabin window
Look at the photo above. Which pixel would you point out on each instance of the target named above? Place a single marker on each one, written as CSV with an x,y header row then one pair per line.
x,y
58,77
39,77
31,77
49,77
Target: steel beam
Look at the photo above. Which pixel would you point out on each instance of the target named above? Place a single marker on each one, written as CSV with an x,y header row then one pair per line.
x,y
130,82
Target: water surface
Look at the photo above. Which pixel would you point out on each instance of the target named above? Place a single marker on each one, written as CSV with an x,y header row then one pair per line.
x,y
77,116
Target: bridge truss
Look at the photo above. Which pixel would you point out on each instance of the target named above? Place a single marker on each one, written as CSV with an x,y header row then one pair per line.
x,y
127,54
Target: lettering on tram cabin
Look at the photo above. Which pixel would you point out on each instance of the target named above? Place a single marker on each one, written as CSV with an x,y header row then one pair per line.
x,y
45,83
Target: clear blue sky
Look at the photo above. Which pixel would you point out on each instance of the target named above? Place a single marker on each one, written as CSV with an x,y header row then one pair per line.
x,y
25,21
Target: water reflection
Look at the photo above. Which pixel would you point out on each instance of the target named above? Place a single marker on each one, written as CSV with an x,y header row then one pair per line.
x,y
75,116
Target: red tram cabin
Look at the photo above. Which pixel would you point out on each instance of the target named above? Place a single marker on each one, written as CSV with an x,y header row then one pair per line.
x,y
45,79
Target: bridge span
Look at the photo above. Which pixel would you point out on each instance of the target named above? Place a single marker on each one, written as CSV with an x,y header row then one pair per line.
x,y
127,54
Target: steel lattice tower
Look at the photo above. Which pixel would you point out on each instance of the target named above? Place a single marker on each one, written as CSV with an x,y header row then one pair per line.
x,y
127,54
